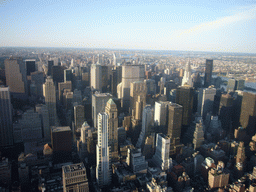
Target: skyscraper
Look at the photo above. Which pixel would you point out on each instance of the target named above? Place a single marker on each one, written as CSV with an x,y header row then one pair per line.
x,y
161,156
78,116
111,110
130,73
160,115
138,89
198,135
208,73
174,120
147,123
15,73
248,112
187,79
42,110
96,77
185,97
6,131
30,66
103,156
50,100
50,65
99,101
207,100
231,86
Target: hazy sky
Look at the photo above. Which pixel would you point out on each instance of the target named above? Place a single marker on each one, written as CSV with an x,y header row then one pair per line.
x,y
199,25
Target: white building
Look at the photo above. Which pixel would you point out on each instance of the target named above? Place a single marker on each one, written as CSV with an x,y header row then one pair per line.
x,y
160,115
187,76
161,157
96,77
147,123
103,156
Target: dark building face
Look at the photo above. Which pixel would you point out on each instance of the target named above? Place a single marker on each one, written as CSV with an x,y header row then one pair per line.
x,y
50,65
174,120
248,112
30,66
185,97
208,73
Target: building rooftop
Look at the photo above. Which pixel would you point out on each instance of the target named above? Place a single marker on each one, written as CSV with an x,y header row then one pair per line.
x,y
60,129
73,167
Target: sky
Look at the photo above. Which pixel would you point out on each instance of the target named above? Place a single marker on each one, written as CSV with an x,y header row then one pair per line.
x,y
195,25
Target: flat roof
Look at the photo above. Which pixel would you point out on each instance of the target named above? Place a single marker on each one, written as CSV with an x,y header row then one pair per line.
x,y
61,129
73,167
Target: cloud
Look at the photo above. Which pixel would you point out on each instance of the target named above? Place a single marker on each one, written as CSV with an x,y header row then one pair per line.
x,y
246,14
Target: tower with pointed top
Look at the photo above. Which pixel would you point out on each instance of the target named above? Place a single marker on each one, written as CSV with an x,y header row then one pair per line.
x,y
111,110
187,76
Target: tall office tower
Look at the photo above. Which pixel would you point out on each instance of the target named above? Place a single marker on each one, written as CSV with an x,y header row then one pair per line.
x,y
50,65
174,120
130,73
138,89
208,73
96,77
198,135
106,70
37,78
240,156
151,86
161,84
161,156
112,112
57,74
114,59
161,112
237,103
138,109
187,79
185,97
231,86
78,116
240,160
103,165
113,84
50,100
31,126
207,101
6,131
30,66
169,86
77,96
68,75
42,110
74,178
226,112
197,82
62,86
136,161
147,123
240,85
119,74
99,101
248,112
15,73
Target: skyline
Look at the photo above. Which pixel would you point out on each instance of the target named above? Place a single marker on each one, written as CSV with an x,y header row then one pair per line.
x,y
184,26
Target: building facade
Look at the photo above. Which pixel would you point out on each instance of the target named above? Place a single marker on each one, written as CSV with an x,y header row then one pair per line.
x,y
103,152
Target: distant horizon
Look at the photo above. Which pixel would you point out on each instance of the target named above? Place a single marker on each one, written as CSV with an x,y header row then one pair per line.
x,y
127,49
